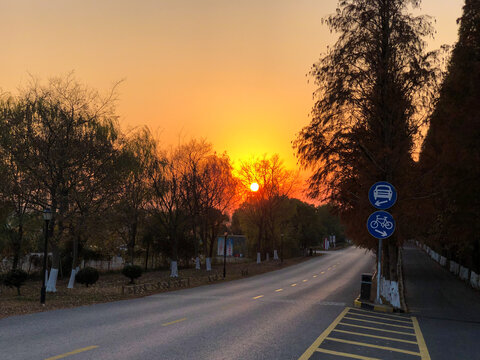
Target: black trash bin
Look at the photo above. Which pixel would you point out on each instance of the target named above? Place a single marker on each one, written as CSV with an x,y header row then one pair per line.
x,y
366,286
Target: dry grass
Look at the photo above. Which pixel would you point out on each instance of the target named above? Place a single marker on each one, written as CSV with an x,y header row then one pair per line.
x,y
109,287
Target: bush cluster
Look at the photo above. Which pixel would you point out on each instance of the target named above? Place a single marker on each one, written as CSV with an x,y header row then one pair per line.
x,y
15,278
87,276
132,272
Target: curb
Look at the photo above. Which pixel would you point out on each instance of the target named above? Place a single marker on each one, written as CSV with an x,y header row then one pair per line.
x,y
369,306
401,284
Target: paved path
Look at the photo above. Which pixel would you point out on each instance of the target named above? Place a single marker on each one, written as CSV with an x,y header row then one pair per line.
x,y
447,309
277,315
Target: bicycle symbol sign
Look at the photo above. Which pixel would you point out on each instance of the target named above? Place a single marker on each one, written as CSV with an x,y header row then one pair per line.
x,y
382,195
381,224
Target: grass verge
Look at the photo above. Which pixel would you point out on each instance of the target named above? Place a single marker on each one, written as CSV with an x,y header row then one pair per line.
x,y
109,287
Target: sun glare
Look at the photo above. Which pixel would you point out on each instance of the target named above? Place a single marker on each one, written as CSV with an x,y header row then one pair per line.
x,y
254,186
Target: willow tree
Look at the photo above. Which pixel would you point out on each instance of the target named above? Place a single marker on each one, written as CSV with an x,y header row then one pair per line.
x,y
375,88
54,134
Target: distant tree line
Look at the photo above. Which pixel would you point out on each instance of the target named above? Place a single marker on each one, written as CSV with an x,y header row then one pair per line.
x,y
113,192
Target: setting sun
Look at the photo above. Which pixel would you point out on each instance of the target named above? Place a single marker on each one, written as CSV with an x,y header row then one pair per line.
x,y
254,187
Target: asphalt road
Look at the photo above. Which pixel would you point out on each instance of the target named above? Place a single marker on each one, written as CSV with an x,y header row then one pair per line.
x,y
448,310
277,315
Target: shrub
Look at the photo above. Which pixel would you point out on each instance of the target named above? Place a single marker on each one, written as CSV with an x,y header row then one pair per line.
x,y
87,276
15,278
132,272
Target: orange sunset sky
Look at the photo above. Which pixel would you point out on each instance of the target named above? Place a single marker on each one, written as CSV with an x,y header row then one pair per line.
x,y
232,71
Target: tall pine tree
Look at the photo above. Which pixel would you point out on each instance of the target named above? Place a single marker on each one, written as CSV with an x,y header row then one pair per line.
x,y
372,85
450,158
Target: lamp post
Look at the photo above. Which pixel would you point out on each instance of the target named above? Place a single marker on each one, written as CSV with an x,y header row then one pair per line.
x,y
225,255
47,216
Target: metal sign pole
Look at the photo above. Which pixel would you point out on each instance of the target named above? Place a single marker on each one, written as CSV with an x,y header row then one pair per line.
x,y
379,269
381,224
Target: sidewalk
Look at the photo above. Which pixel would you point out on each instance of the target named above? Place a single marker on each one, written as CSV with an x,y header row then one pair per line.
x,y
448,310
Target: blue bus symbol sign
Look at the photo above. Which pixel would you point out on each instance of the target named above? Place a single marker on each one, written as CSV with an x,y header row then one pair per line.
x,y
382,195
381,224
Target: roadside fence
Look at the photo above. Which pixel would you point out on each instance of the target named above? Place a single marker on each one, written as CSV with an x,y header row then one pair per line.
x,y
462,272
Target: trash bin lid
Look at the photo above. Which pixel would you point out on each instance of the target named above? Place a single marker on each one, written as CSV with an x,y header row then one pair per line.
x,y
367,277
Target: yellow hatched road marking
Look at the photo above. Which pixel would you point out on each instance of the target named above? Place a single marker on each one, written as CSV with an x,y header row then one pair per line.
x,y
257,297
373,328
375,336
306,355
278,290
293,285
174,322
351,356
421,341
386,316
382,318
314,275
305,280
323,272
373,346
72,352
378,322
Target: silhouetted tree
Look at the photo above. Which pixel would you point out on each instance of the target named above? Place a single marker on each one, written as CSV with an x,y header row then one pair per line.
x,y
139,154
264,207
450,156
53,132
375,88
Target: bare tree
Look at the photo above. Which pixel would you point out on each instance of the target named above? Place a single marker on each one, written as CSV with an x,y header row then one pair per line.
x,y
262,207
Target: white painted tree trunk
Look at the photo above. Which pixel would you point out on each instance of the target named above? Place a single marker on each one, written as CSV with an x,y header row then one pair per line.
x,y
275,255
71,282
52,281
197,263
389,290
258,258
209,264
174,269
268,257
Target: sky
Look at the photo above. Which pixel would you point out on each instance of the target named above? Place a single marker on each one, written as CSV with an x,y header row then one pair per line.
x,y
231,71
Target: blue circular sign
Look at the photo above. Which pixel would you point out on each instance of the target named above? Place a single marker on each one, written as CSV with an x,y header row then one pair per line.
x,y
381,224
382,195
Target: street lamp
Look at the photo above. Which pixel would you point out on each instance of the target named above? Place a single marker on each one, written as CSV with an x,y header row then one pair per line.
x,y
47,216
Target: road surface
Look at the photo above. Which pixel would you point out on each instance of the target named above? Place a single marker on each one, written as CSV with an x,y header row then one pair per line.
x,y
277,315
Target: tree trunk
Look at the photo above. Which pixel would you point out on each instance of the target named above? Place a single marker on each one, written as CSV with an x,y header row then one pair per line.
x,y
52,279
71,282
17,245
133,235
195,242
146,256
